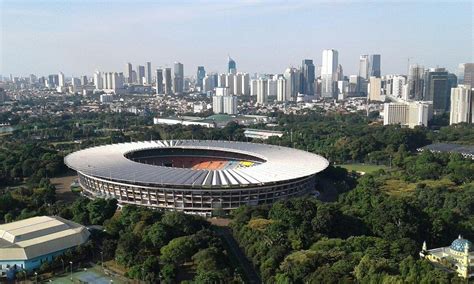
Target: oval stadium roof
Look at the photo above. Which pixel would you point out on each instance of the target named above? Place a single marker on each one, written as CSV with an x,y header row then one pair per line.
x,y
281,163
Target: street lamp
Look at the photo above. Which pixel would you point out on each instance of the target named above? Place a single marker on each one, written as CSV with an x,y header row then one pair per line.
x,y
36,277
71,269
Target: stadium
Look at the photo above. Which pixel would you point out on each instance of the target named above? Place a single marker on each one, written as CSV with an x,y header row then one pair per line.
x,y
195,176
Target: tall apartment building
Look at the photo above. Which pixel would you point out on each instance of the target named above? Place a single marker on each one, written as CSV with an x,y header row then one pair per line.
x,y
375,88
462,107
224,102
159,82
262,91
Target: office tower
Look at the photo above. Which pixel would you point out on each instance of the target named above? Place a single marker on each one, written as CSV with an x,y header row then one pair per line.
x,y
466,74
238,84
159,82
398,82
201,73
272,87
224,102
342,89
207,83
229,82
374,65
98,83
353,85
178,83
129,73
61,80
281,90
436,88
167,78
462,107
246,84
375,86
116,81
221,80
415,82
140,74
307,77
262,91
148,73
364,66
328,73
339,73
53,81
214,79
134,76
84,80
292,85
32,79
409,114
231,66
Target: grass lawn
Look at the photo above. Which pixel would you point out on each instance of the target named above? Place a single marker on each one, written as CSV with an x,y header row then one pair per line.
x,y
402,188
363,168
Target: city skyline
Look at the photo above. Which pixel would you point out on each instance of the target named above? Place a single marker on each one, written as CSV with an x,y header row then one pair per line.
x,y
75,41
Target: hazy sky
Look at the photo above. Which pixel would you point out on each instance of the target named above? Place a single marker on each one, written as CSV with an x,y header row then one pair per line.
x,y
79,37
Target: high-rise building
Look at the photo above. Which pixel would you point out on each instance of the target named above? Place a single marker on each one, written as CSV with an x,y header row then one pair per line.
x,y
238,84
246,84
84,80
98,83
167,81
292,82
159,82
375,87
178,78
374,65
75,82
339,73
221,80
281,90
307,77
415,82
231,66
129,73
436,88
61,80
328,73
140,74
462,106
229,82
224,102
272,87
148,73
364,67
207,83
398,81
262,91
466,74
201,73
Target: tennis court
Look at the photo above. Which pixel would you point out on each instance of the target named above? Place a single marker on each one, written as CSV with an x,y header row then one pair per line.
x,y
91,275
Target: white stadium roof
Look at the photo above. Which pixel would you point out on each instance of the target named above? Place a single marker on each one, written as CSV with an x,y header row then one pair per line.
x,y
37,236
281,164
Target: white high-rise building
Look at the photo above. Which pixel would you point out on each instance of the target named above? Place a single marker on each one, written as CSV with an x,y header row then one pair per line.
x,y
253,87
272,87
62,81
224,102
329,73
207,84
262,91
398,82
292,83
364,67
462,107
221,81
98,83
281,90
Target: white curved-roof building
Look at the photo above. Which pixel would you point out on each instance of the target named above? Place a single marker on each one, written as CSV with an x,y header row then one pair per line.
x,y
193,175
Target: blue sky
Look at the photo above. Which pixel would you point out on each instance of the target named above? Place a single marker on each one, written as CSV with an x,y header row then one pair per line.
x,y
79,37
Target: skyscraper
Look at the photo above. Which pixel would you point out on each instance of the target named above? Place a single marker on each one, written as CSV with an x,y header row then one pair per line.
x,y
462,107
246,84
167,80
375,85
148,73
307,77
281,90
238,84
466,74
129,73
229,82
415,82
140,74
262,91
364,67
178,78
159,82
374,65
61,80
98,80
224,102
436,88
328,73
231,66
201,73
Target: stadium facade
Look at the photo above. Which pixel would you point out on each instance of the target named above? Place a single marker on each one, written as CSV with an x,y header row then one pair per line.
x,y
195,176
